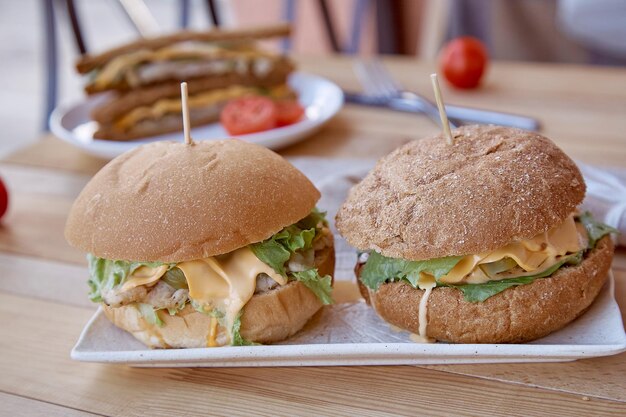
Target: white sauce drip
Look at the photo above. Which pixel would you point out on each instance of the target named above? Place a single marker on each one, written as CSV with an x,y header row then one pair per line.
x,y
422,337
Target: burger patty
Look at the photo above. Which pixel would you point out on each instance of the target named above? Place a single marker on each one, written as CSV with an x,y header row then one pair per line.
x,y
161,295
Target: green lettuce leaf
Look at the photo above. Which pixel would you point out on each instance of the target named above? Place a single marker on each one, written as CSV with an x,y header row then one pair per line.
x,y
150,314
595,229
105,274
476,293
238,340
313,220
320,286
380,269
277,250
296,239
273,254
175,278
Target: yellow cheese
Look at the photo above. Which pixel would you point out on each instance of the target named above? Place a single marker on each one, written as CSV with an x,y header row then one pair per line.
x,y
225,283
118,66
211,340
144,275
124,65
540,252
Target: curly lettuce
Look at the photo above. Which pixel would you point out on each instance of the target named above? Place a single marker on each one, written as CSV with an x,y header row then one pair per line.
x,y
297,238
320,286
380,269
105,274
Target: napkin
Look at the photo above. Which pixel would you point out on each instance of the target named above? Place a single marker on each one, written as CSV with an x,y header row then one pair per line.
x,y
605,198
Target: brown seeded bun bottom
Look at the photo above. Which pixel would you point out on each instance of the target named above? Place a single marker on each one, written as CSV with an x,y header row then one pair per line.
x,y
268,317
516,315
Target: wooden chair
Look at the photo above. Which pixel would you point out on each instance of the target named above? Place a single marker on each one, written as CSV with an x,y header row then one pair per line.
x,y
138,15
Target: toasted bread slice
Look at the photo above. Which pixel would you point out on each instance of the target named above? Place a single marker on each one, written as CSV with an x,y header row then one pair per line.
x,y
88,63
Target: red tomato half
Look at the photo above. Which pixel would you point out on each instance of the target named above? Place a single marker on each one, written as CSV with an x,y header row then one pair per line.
x,y
288,112
463,61
4,199
249,115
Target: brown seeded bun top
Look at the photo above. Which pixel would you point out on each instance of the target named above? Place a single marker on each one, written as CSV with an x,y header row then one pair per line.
x,y
171,202
494,185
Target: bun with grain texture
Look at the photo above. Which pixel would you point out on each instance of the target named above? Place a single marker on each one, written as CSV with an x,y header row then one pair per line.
x,y
208,244
486,229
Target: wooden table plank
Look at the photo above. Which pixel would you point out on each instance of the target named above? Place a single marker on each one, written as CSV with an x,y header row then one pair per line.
x,y
43,305
52,377
13,405
45,279
580,107
40,200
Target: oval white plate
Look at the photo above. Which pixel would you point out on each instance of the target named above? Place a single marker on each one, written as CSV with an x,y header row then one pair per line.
x,y
321,98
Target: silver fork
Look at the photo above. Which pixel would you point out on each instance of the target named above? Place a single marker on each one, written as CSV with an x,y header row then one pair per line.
x,y
378,82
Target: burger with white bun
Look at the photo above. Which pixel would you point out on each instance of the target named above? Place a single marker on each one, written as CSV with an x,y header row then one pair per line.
x,y
204,244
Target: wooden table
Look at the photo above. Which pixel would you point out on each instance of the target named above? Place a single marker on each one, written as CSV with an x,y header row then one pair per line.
x,y
43,303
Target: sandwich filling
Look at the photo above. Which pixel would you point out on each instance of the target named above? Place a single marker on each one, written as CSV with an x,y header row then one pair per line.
x,y
483,275
219,286
184,60
197,102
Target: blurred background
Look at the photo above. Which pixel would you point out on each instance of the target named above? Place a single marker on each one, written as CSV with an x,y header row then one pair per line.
x,y
39,43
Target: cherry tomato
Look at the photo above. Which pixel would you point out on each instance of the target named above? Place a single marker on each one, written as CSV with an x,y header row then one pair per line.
x,y
288,112
463,61
249,115
4,199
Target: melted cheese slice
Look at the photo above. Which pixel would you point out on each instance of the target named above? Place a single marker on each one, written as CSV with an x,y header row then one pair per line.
x,y
144,275
124,65
538,253
225,283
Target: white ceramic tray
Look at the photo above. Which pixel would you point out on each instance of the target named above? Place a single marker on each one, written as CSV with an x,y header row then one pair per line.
x,y
351,334
321,99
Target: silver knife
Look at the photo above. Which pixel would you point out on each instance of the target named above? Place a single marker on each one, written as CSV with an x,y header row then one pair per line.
x,y
457,113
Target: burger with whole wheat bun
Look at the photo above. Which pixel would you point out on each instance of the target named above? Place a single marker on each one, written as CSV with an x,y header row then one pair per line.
x,y
479,241
204,244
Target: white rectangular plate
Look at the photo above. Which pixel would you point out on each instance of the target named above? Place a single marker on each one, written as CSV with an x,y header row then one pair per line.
x,y
351,334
